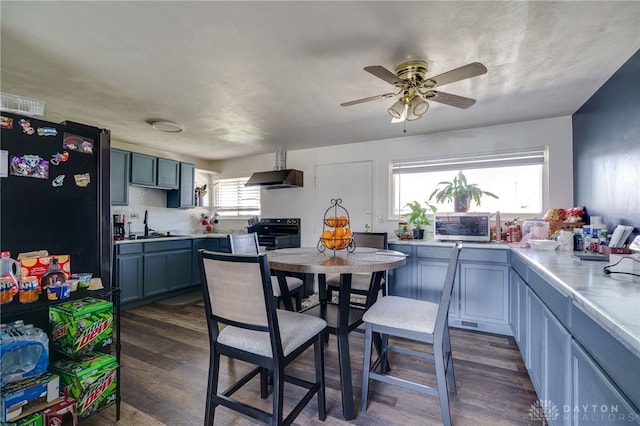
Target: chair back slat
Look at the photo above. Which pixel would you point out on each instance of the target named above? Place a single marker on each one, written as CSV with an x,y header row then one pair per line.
x,y
376,240
236,290
445,299
244,243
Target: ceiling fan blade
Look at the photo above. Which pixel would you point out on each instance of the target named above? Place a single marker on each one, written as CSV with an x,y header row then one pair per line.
x,y
449,99
383,73
467,71
370,98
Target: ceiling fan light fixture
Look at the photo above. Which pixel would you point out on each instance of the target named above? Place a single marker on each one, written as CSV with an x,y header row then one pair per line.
x,y
396,109
418,106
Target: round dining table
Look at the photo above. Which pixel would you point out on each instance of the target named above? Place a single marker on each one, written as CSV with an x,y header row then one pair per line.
x,y
341,318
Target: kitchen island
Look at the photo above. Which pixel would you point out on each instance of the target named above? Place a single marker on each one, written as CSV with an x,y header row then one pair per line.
x,y
578,329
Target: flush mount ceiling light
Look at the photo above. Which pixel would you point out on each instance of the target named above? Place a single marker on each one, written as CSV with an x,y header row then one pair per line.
x,y
166,126
415,88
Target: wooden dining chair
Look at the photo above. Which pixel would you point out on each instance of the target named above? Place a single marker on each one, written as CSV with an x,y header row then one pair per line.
x,y
415,320
248,244
361,283
253,330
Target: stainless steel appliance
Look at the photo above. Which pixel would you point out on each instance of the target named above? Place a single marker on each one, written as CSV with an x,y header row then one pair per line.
x,y
277,233
462,226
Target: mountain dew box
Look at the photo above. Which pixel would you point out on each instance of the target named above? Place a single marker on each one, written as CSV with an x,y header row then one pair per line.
x,y
81,326
91,381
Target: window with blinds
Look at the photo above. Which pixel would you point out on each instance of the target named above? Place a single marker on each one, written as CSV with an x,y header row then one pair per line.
x,y
516,177
232,198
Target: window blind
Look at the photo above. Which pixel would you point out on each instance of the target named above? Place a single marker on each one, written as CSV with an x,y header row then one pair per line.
x,y
232,198
476,161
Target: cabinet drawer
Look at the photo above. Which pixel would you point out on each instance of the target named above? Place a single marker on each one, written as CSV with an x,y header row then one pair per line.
x,y
483,255
557,303
435,252
129,248
520,267
167,245
618,361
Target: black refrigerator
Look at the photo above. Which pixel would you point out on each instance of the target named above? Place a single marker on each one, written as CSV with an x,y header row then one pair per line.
x,y
55,192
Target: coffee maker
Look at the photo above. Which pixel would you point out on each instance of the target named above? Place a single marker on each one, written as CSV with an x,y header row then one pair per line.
x,y
118,227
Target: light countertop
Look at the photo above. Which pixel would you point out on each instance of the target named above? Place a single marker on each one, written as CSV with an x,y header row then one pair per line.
x,y
612,300
170,238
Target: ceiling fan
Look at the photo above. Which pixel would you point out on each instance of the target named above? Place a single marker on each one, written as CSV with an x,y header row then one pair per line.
x,y
416,89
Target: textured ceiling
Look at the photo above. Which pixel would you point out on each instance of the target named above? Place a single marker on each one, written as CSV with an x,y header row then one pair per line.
x,y
246,77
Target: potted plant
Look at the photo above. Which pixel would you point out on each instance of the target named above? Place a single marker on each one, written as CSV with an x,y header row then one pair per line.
x,y
418,217
460,192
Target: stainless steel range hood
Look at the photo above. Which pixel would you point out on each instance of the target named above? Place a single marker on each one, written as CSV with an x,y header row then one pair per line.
x,y
275,179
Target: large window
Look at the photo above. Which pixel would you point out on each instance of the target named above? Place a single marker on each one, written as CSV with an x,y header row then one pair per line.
x,y
232,198
516,177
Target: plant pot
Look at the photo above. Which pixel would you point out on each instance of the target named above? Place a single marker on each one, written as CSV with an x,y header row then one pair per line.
x,y
418,234
461,204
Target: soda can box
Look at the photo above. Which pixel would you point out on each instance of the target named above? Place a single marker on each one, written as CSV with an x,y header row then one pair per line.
x,y
35,419
91,381
81,326
29,395
64,413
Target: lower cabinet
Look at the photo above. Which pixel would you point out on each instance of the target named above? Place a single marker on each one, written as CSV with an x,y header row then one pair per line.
x,y
572,387
596,400
129,272
146,271
480,299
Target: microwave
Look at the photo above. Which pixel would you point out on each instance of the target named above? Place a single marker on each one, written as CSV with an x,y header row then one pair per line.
x,y
462,226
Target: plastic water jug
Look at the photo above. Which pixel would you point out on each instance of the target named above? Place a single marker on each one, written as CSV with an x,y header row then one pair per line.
x,y
9,268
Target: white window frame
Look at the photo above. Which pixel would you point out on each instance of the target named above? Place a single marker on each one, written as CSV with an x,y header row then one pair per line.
x,y
516,157
240,200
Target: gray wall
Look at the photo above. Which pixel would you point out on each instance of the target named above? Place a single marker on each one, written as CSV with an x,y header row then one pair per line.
x,y
606,149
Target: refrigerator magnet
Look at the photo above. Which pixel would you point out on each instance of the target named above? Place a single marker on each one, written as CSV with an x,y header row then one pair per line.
x,y
47,131
6,122
58,181
82,180
77,143
26,126
32,166
59,158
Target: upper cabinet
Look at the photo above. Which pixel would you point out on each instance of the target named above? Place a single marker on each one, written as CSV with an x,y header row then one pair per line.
x,y
154,172
120,177
144,169
168,174
183,198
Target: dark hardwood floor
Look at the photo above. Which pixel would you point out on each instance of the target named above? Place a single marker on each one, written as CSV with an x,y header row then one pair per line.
x,y
164,373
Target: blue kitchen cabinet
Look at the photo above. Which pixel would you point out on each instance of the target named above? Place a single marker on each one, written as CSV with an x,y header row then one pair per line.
x,y
183,197
484,292
596,400
120,177
557,380
144,169
535,340
168,174
129,272
210,244
167,266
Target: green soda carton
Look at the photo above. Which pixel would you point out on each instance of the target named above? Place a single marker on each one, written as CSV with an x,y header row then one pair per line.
x,y
91,381
81,326
35,419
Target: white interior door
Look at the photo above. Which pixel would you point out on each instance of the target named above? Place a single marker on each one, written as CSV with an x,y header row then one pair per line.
x,y
351,182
